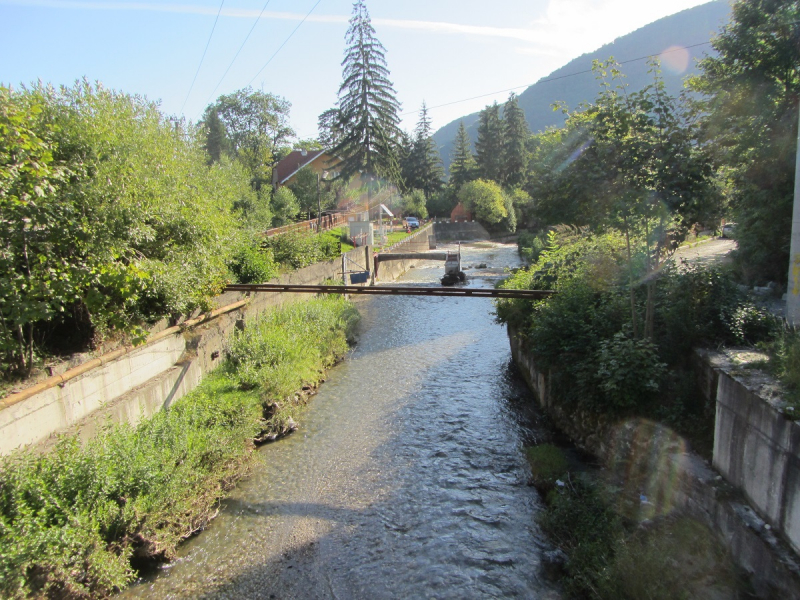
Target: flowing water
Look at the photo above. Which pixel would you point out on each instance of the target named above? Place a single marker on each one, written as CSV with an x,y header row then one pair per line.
x,y
407,478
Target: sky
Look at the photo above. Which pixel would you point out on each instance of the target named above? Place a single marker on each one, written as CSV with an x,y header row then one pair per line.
x,y
455,55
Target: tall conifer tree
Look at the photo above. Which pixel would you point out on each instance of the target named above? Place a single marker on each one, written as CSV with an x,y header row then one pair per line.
x,y
368,107
425,171
462,166
489,147
516,133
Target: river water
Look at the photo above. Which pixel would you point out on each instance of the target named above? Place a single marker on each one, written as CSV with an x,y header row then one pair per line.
x,y
407,478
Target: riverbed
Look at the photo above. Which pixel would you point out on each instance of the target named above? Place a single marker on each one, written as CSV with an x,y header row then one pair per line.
x,y
407,477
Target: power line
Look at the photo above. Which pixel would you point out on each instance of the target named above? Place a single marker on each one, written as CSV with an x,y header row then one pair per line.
x,y
203,57
238,51
624,62
284,43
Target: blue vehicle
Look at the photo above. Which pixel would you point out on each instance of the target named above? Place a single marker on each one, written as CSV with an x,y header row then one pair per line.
x,y
412,222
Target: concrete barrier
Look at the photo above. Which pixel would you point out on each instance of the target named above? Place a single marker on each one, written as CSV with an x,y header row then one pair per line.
x,y
750,500
459,232
129,384
757,449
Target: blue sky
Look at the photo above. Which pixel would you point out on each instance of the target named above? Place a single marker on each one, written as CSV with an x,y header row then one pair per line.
x,y
440,51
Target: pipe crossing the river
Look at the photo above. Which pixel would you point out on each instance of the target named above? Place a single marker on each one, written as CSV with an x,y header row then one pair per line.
x,y
387,290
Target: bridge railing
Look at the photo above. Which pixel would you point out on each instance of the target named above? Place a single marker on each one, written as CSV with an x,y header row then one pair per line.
x,y
326,222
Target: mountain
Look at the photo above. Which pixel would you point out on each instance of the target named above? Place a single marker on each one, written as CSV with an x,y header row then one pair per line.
x,y
574,83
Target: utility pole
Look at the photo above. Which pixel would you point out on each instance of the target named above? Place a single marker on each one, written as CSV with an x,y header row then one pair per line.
x,y
793,289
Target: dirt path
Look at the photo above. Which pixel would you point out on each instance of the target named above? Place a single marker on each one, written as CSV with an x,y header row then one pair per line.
x,y
709,252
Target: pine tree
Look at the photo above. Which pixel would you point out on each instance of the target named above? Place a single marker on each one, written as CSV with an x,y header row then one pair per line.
x,y
516,134
462,167
368,107
425,171
489,147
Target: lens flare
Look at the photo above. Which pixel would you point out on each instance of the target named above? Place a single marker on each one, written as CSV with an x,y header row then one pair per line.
x,y
675,59
647,462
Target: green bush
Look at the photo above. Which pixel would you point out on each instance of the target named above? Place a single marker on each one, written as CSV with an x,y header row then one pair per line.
x,y
72,520
279,352
111,217
298,250
253,264
628,371
580,520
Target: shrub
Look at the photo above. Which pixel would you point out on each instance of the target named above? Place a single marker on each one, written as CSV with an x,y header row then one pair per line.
x,y
628,372
298,250
72,520
253,264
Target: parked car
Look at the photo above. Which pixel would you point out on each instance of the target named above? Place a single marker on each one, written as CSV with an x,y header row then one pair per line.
x,y
412,222
729,230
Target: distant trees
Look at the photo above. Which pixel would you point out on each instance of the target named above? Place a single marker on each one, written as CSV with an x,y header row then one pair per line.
x,y
489,147
485,199
422,164
515,137
366,125
463,167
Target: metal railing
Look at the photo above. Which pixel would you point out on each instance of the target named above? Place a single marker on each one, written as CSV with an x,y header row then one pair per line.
x,y
326,222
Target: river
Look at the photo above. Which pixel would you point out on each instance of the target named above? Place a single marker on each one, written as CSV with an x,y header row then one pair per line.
x,y
407,478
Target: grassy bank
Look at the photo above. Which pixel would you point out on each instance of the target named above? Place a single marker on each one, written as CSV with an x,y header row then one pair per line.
x,y
74,522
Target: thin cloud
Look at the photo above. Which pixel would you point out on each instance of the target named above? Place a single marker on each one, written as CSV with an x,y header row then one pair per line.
x,y
243,13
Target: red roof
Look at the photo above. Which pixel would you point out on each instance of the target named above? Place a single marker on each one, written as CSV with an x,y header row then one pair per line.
x,y
295,161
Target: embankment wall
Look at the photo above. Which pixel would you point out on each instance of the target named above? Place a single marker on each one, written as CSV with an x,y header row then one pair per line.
x,y
751,450
129,384
459,232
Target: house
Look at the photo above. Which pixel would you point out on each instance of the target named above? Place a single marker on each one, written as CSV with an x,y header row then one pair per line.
x,y
460,214
285,171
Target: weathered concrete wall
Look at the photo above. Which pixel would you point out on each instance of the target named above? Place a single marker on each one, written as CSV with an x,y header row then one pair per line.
x,y
459,232
646,457
757,449
141,382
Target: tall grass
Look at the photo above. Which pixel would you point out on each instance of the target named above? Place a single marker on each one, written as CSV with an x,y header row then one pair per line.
x,y
75,520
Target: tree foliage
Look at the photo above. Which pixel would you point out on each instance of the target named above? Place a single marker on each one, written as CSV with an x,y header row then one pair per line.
x,y
750,107
485,199
422,165
463,167
111,218
489,147
515,137
368,120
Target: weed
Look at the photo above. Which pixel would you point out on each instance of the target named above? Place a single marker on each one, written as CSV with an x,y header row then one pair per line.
x,y
72,520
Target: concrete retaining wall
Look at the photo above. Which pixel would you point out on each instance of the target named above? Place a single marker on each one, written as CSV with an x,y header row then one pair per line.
x,y
754,451
141,382
757,449
459,232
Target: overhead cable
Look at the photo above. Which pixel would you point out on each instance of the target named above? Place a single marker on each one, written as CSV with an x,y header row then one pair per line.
x,y
258,18
519,87
284,43
204,56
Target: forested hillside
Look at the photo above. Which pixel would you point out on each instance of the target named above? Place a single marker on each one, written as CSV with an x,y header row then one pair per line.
x,y
686,28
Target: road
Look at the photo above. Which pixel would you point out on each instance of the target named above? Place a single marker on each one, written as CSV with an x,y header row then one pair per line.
x,y
709,252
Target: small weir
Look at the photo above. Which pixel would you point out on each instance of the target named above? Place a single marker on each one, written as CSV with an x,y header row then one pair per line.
x,y
407,478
